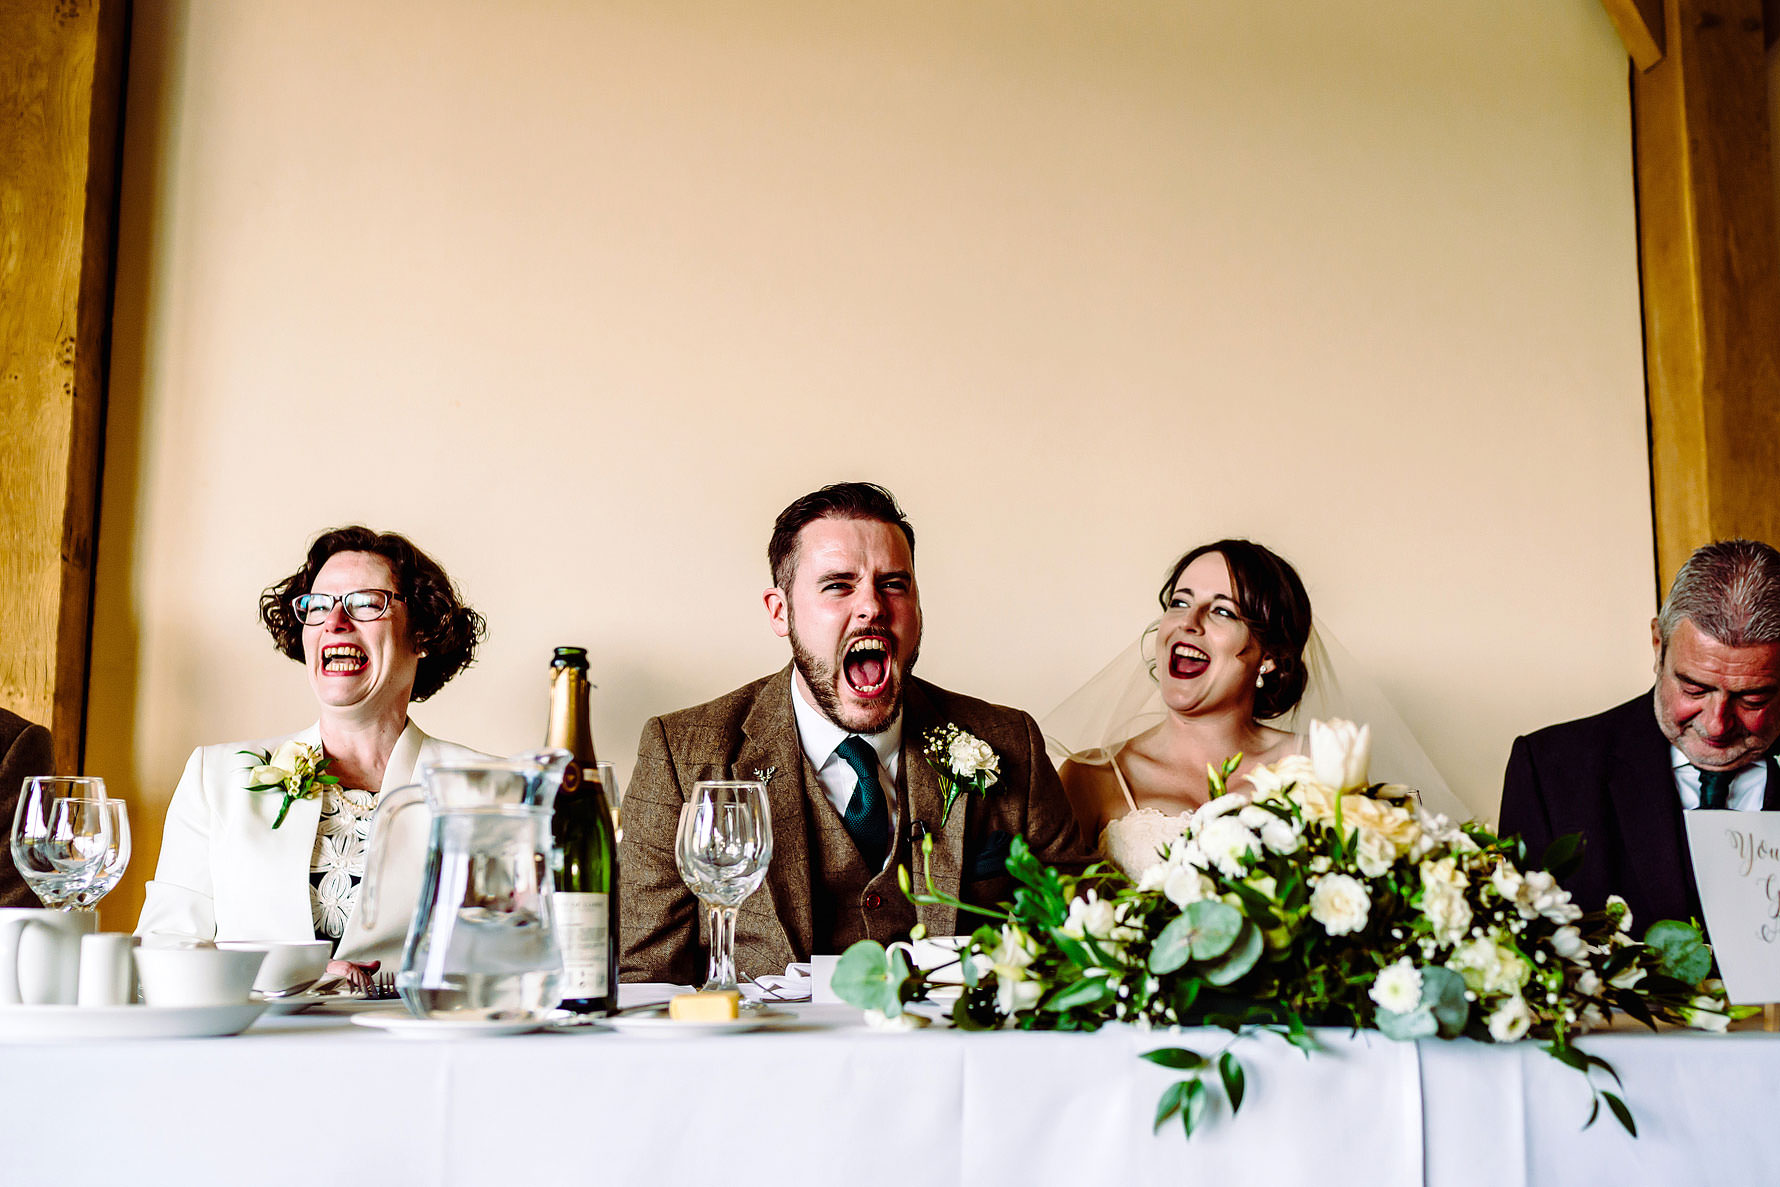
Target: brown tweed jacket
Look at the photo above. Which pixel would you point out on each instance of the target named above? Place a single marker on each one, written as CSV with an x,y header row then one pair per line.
x,y
752,730
24,751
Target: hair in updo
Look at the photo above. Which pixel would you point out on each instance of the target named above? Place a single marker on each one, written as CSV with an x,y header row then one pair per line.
x,y
1276,608
439,623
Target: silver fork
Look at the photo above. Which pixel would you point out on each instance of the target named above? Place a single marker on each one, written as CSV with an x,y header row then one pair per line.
x,y
383,988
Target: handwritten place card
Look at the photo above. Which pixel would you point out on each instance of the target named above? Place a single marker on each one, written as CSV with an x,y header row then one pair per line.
x,y
1736,862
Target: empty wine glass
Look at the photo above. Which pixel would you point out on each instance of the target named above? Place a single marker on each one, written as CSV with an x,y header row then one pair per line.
x,y
62,837
723,846
117,852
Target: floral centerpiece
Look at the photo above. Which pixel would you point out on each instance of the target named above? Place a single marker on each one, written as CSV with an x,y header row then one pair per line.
x,y
1319,899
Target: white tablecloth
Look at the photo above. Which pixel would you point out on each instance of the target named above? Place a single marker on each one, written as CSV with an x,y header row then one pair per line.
x,y
309,1101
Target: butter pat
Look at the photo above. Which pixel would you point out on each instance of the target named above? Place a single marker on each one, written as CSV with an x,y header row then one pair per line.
x,y
719,1006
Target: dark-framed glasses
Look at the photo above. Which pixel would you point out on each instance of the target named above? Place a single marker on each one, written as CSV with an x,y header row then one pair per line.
x,y
362,605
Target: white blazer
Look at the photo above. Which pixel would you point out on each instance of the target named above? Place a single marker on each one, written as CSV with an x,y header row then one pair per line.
x,y
226,874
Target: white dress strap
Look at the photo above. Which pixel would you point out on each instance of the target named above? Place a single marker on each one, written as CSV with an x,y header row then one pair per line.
x,y
1119,774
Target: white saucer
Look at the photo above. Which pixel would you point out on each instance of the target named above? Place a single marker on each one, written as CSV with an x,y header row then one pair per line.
x,y
327,1003
410,1027
653,1022
34,1023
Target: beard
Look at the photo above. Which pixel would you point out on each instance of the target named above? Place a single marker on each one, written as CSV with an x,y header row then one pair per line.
x,y
824,681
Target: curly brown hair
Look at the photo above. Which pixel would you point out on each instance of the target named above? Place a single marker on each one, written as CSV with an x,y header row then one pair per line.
x,y
440,625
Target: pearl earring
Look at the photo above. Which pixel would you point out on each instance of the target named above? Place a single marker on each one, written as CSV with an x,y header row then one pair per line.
x,y
1260,679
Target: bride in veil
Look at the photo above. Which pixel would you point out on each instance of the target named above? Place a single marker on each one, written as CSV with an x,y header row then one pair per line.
x,y
1233,666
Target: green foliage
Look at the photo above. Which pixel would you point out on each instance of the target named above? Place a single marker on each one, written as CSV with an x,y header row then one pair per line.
x,y
869,977
1682,952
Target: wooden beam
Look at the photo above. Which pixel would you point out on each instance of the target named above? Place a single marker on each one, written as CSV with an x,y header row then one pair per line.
x,y
61,106
1640,26
1710,257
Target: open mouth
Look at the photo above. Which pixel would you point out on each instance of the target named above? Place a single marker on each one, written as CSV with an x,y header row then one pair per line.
x,y
343,659
1186,661
866,665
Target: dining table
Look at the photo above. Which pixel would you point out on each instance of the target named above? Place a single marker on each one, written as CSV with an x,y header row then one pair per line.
x,y
820,1097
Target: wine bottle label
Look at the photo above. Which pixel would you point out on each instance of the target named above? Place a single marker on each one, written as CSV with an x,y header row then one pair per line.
x,y
583,923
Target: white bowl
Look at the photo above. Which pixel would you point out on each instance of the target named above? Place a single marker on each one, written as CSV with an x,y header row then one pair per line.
x,y
290,964
197,976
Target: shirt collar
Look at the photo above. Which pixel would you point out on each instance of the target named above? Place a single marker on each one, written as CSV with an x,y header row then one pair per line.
x,y
820,737
1678,760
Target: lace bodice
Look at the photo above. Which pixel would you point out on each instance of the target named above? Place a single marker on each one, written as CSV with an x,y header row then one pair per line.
x,y
337,864
1137,840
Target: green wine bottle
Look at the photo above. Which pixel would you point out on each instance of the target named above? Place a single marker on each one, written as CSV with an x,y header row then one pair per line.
x,y
585,901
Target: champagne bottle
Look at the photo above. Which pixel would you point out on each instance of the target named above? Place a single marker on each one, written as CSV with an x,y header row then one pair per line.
x,y
585,901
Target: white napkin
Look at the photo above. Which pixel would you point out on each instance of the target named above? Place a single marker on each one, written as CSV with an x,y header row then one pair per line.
x,y
794,985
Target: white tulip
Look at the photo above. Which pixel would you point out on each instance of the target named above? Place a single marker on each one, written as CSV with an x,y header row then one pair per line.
x,y
1340,752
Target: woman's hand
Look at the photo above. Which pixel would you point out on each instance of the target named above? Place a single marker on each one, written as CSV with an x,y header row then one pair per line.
x,y
356,973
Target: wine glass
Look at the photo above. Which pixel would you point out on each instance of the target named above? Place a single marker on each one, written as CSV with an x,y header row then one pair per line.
x,y
723,845
61,837
117,853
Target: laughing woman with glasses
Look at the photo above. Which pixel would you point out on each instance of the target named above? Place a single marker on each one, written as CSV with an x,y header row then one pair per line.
x,y
265,840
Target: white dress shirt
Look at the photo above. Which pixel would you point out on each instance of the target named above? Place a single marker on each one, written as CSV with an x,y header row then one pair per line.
x,y
821,738
1748,789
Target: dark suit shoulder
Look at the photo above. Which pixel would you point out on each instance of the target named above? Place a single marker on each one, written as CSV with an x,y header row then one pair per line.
x,y
1594,742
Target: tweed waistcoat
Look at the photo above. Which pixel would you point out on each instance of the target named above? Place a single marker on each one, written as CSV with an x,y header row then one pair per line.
x,y
849,901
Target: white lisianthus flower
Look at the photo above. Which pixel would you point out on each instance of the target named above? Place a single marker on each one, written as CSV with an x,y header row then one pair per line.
x,y
1216,807
1255,817
1186,885
1589,983
1507,881
1090,916
878,1020
1511,1020
1568,943
1229,844
1541,895
1397,988
1267,783
1012,996
1013,953
1340,904
1284,837
1627,977
1705,1014
969,755
1340,752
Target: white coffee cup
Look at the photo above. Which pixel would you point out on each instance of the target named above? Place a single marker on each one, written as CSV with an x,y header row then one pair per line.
x,y
106,969
822,979
290,965
40,955
197,976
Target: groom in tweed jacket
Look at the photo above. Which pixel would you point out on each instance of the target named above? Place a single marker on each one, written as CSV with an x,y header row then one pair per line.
x,y
837,737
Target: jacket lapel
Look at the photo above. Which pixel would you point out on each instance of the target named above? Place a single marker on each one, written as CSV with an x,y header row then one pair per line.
x,y
1648,810
274,862
770,744
923,805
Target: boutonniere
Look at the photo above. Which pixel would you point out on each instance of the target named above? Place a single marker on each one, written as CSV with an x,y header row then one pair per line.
x,y
295,771
962,760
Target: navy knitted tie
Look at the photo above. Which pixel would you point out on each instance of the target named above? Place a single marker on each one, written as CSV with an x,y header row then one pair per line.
x,y
1715,788
867,816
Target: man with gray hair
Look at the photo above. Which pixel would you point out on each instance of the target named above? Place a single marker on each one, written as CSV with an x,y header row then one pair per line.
x,y
1702,738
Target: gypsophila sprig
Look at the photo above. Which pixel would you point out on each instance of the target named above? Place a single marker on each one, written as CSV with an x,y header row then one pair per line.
x,y
295,771
962,761
1319,898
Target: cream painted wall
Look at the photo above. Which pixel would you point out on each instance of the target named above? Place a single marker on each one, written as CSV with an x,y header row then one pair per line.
x,y
580,294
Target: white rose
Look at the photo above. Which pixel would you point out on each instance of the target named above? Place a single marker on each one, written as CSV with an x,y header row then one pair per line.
x,y
969,755
1374,854
1340,904
267,774
1268,783
1510,1020
1340,752
1229,844
1448,911
1398,988
1282,836
1568,943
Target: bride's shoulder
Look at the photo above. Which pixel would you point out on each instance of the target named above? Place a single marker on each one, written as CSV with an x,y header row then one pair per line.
x,y
1092,788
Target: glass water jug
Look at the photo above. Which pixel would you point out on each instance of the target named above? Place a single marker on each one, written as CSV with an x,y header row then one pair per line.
x,y
482,944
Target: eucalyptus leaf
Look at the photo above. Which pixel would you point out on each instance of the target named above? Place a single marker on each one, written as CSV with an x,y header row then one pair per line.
x,y
1684,955
867,977
1418,1023
1239,959
1443,995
